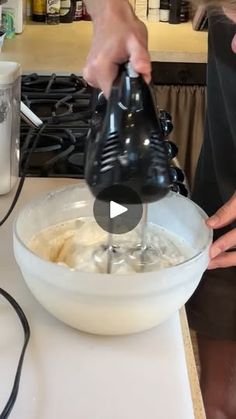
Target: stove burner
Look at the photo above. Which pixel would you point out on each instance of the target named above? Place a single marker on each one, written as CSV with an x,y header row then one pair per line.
x,y
47,108
65,105
53,84
64,100
60,151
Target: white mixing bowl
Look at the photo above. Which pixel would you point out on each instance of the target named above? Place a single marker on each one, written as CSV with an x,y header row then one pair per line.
x,y
111,304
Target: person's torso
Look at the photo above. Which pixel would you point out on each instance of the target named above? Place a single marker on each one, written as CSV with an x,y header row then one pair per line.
x,y
219,149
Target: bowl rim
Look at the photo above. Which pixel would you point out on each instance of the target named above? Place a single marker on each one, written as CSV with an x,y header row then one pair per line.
x,y
61,268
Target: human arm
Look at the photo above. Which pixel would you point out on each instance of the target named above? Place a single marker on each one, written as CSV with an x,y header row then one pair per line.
x,y
220,258
118,36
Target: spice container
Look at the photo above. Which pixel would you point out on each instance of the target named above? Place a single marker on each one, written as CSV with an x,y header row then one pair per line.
x,y
53,12
79,10
85,15
67,11
153,10
164,10
175,7
184,11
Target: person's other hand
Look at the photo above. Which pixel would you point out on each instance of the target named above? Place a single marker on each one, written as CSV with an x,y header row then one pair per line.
x,y
119,36
220,258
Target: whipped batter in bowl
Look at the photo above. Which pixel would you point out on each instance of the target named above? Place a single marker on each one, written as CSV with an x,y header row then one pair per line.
x,y
78,292
77,243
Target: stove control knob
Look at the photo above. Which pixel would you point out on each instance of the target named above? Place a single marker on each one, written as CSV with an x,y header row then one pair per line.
x,y
176,174
180,188
166,123
172,149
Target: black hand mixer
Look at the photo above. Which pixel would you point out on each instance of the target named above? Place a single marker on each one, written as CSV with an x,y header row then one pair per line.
x,y
129,148
126,146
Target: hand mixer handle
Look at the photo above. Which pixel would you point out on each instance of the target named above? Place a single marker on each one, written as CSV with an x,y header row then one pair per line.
x,y
129,148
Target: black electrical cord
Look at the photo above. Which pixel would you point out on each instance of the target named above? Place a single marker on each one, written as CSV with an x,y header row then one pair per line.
x,y
11,401
22,180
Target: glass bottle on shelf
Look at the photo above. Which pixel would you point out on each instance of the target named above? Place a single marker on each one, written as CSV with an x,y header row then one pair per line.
x,y
67,11
85,15
39,10
79,10
184,11
53,12
164,13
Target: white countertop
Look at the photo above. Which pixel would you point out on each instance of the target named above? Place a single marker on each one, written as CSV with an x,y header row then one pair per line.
x,y
68,374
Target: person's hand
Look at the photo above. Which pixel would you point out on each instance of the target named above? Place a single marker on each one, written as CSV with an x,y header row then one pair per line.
x,y
119,36
224,216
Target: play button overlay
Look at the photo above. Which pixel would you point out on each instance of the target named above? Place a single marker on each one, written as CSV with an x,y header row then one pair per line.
x,y
118,209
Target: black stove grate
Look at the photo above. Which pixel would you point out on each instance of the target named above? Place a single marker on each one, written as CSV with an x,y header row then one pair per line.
x,y
65,104
53,84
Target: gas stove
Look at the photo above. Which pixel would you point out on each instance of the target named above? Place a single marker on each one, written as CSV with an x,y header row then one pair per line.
x,y
65,105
